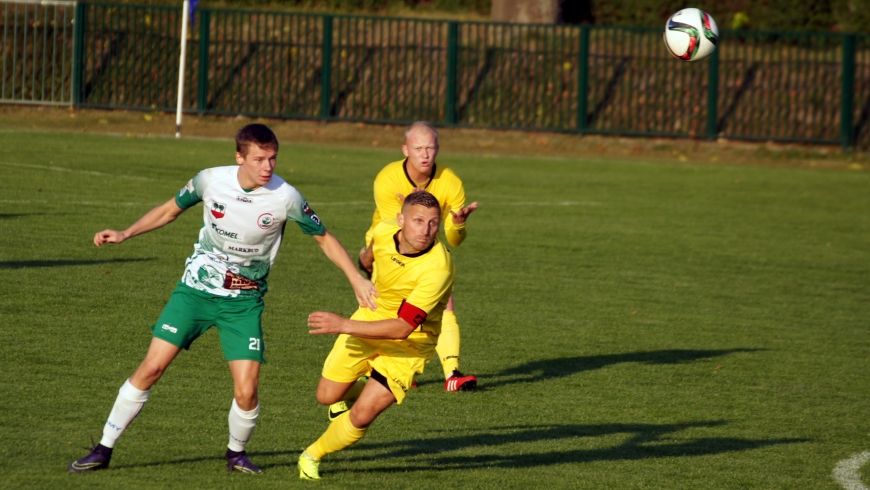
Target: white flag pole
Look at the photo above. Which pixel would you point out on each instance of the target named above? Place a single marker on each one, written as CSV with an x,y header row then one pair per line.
x,y
184,19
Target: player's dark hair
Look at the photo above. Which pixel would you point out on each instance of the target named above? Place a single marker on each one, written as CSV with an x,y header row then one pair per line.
x,y
258,134
423,198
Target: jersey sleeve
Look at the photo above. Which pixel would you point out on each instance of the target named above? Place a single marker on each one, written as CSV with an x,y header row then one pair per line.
x,y
455,233
192,192
376,216
387,205
299,211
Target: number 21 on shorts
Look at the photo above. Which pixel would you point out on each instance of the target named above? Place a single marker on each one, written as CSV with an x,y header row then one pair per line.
x,y
255,344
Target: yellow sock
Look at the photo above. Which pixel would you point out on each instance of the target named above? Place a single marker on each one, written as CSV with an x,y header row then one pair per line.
x,y
340,434
448,343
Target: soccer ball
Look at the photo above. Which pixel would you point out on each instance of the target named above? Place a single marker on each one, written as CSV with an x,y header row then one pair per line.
x,y
691,34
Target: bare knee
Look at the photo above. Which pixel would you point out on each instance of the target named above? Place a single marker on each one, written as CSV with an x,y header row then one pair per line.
x,y
329,392
361,420
246,397
362,416
325,397
146,375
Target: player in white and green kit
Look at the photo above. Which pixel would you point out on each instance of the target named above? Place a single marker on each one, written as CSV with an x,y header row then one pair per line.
x,y
245,210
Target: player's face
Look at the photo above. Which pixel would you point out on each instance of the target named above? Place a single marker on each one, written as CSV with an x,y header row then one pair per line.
x,y
419,228
421,148
256,166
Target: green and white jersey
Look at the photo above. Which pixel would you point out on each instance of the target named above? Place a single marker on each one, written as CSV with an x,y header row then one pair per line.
x,y
241,230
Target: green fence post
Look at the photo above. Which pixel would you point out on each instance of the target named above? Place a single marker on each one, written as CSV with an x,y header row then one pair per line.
x,y
713,95
847,92
583,81
452,51
78,52
202,78
326,68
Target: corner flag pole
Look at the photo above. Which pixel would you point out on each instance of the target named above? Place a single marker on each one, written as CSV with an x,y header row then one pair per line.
x,y
184,18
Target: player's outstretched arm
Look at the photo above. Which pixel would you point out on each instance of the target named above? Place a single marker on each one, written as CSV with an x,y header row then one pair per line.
x,y
321,322
459,217
363,288
158,217
454,229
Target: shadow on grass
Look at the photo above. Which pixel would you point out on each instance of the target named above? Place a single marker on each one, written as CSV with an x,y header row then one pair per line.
x,y
535,371
218,459
645,441
27,264
17,215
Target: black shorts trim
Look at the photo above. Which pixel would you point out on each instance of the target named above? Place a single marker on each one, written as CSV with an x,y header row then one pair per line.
x,y
380,379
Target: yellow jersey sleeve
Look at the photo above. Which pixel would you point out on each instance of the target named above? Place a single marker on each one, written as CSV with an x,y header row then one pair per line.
x,y
452,198
391,180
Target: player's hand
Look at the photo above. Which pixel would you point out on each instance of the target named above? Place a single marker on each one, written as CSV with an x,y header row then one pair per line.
x,y
416,189
322,322
460,216
365,293
109,236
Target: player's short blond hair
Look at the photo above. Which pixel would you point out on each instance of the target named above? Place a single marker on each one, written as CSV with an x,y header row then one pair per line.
x,y
421,125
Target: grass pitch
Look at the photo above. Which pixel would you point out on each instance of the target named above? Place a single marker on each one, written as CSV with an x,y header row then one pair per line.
x,y
632,325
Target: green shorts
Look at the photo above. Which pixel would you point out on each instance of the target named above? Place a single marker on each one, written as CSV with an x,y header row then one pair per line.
x,y
190,313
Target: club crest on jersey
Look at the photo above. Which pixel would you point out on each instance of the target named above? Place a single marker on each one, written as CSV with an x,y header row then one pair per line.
x,y
218,210
306,209
265,221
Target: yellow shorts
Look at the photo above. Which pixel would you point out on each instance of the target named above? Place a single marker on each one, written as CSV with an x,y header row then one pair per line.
x,y
400,361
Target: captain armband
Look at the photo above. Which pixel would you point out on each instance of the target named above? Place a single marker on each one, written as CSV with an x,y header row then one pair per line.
x,y
411,314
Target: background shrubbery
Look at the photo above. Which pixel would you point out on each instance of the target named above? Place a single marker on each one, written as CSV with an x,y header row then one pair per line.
x,y
786,15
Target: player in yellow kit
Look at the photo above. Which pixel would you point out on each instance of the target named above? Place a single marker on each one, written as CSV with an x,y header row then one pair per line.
x,y
414,277
398,179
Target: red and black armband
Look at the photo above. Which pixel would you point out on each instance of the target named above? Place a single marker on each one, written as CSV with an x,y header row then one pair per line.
x,y
411,314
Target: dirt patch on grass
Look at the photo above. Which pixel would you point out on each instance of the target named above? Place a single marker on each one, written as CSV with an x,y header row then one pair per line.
x,y
453,140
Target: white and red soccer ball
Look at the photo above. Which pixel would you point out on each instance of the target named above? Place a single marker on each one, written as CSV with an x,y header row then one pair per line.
x,y
691,34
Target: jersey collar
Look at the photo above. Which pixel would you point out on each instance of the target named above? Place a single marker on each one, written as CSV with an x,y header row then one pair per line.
x,y
411,181
418,254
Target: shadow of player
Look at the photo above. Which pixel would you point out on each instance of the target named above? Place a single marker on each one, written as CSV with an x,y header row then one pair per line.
x,y
546,369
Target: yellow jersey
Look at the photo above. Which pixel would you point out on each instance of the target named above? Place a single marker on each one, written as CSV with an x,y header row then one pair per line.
x,y
444,185
413,287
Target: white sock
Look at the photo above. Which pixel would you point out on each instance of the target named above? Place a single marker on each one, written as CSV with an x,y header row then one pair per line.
x,y
127,406
242,425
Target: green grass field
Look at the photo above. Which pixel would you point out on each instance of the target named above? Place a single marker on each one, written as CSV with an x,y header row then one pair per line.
x,y
633,325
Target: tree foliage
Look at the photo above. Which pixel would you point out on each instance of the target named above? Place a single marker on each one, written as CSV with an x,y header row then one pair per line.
x,y
782,15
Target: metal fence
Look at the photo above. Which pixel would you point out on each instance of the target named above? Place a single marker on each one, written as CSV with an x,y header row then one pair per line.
x,y
37,52
798,87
